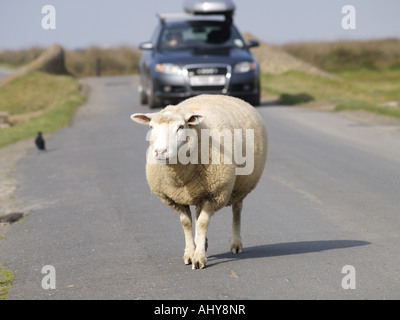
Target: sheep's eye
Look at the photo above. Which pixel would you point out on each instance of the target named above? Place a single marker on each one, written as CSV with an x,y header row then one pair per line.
x,y
151,127
181,127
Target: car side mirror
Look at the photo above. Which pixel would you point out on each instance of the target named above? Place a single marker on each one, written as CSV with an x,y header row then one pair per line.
x,y
146,46
252,44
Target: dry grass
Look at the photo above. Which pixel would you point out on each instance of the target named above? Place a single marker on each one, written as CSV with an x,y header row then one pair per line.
x,y
330,56
366,73
17,58
82,63
120,60
348,55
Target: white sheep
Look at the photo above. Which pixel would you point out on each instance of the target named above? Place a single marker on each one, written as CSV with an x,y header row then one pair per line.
x,y
189,164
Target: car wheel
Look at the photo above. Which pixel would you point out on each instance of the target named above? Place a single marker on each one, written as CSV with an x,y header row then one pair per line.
x,y
142,95
152,101
254,100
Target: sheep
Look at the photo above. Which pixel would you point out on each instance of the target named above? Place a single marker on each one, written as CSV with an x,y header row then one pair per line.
x,y
213,178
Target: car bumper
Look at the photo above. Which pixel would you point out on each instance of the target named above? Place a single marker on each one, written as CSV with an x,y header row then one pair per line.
x,y
178,87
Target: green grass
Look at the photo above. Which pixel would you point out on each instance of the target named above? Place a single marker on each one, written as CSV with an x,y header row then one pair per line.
x,y
384,82
44,103
361,105
349,90
367,74
6,279
316,86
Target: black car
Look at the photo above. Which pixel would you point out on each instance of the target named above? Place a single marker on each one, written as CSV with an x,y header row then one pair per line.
x,y
195,54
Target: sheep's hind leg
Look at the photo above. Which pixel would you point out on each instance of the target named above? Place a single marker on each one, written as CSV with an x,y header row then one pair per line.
x,y
235,240
186,221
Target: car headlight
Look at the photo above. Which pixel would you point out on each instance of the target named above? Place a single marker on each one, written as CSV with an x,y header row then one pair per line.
x,y
168,68
243,67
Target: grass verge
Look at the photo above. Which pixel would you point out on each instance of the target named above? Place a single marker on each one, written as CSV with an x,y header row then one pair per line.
x,y
361,105
359,90
6,279
38,102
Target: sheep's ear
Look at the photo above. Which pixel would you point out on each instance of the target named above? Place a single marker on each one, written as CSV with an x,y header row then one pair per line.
x,y
194,119
142,118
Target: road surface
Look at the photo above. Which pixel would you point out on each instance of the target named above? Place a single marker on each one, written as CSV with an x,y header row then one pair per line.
x,y
329,198
4,72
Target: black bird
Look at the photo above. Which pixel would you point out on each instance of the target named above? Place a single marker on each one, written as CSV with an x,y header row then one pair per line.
x,y
40,143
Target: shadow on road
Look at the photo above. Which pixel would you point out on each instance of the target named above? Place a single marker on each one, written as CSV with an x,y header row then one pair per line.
x,y
269,103
283,249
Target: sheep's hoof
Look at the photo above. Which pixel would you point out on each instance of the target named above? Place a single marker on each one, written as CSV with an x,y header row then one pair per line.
x,y
236,246
187,259
188,256
236,250
199,261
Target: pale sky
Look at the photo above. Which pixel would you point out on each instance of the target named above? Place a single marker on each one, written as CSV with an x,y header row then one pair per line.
x,y
81,23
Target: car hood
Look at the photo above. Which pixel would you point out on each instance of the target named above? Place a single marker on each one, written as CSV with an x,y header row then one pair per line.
x,y
204,55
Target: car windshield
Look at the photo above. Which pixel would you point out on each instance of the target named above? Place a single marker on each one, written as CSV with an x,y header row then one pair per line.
x,y
199,35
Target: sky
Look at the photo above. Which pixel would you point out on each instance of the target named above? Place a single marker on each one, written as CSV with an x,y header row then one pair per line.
x,y
83,23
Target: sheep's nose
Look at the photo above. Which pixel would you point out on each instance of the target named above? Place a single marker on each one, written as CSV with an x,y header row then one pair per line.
x,y
160,152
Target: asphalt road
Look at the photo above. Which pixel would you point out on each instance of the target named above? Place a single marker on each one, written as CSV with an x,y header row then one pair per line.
x,y
329,197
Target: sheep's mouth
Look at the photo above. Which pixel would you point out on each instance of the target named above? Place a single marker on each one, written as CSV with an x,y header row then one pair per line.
x,y
165,158
161,158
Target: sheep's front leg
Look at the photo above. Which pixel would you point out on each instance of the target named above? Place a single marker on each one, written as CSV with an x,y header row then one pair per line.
x,y
198,211
202,221
235,240
186,221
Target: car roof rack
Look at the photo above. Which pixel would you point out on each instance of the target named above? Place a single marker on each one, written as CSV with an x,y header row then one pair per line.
x,y
209,9
225,7
163,17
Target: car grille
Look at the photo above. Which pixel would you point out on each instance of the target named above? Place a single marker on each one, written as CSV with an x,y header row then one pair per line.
x,y
208,78
208,88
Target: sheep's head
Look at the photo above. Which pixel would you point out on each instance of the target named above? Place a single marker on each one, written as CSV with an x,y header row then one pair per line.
x,y
169,132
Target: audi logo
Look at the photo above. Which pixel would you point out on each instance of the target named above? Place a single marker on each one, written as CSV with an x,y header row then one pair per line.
x,y
207,71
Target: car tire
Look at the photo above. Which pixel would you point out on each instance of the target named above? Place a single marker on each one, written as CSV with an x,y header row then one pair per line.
x,y
254,100
152,101
142,95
